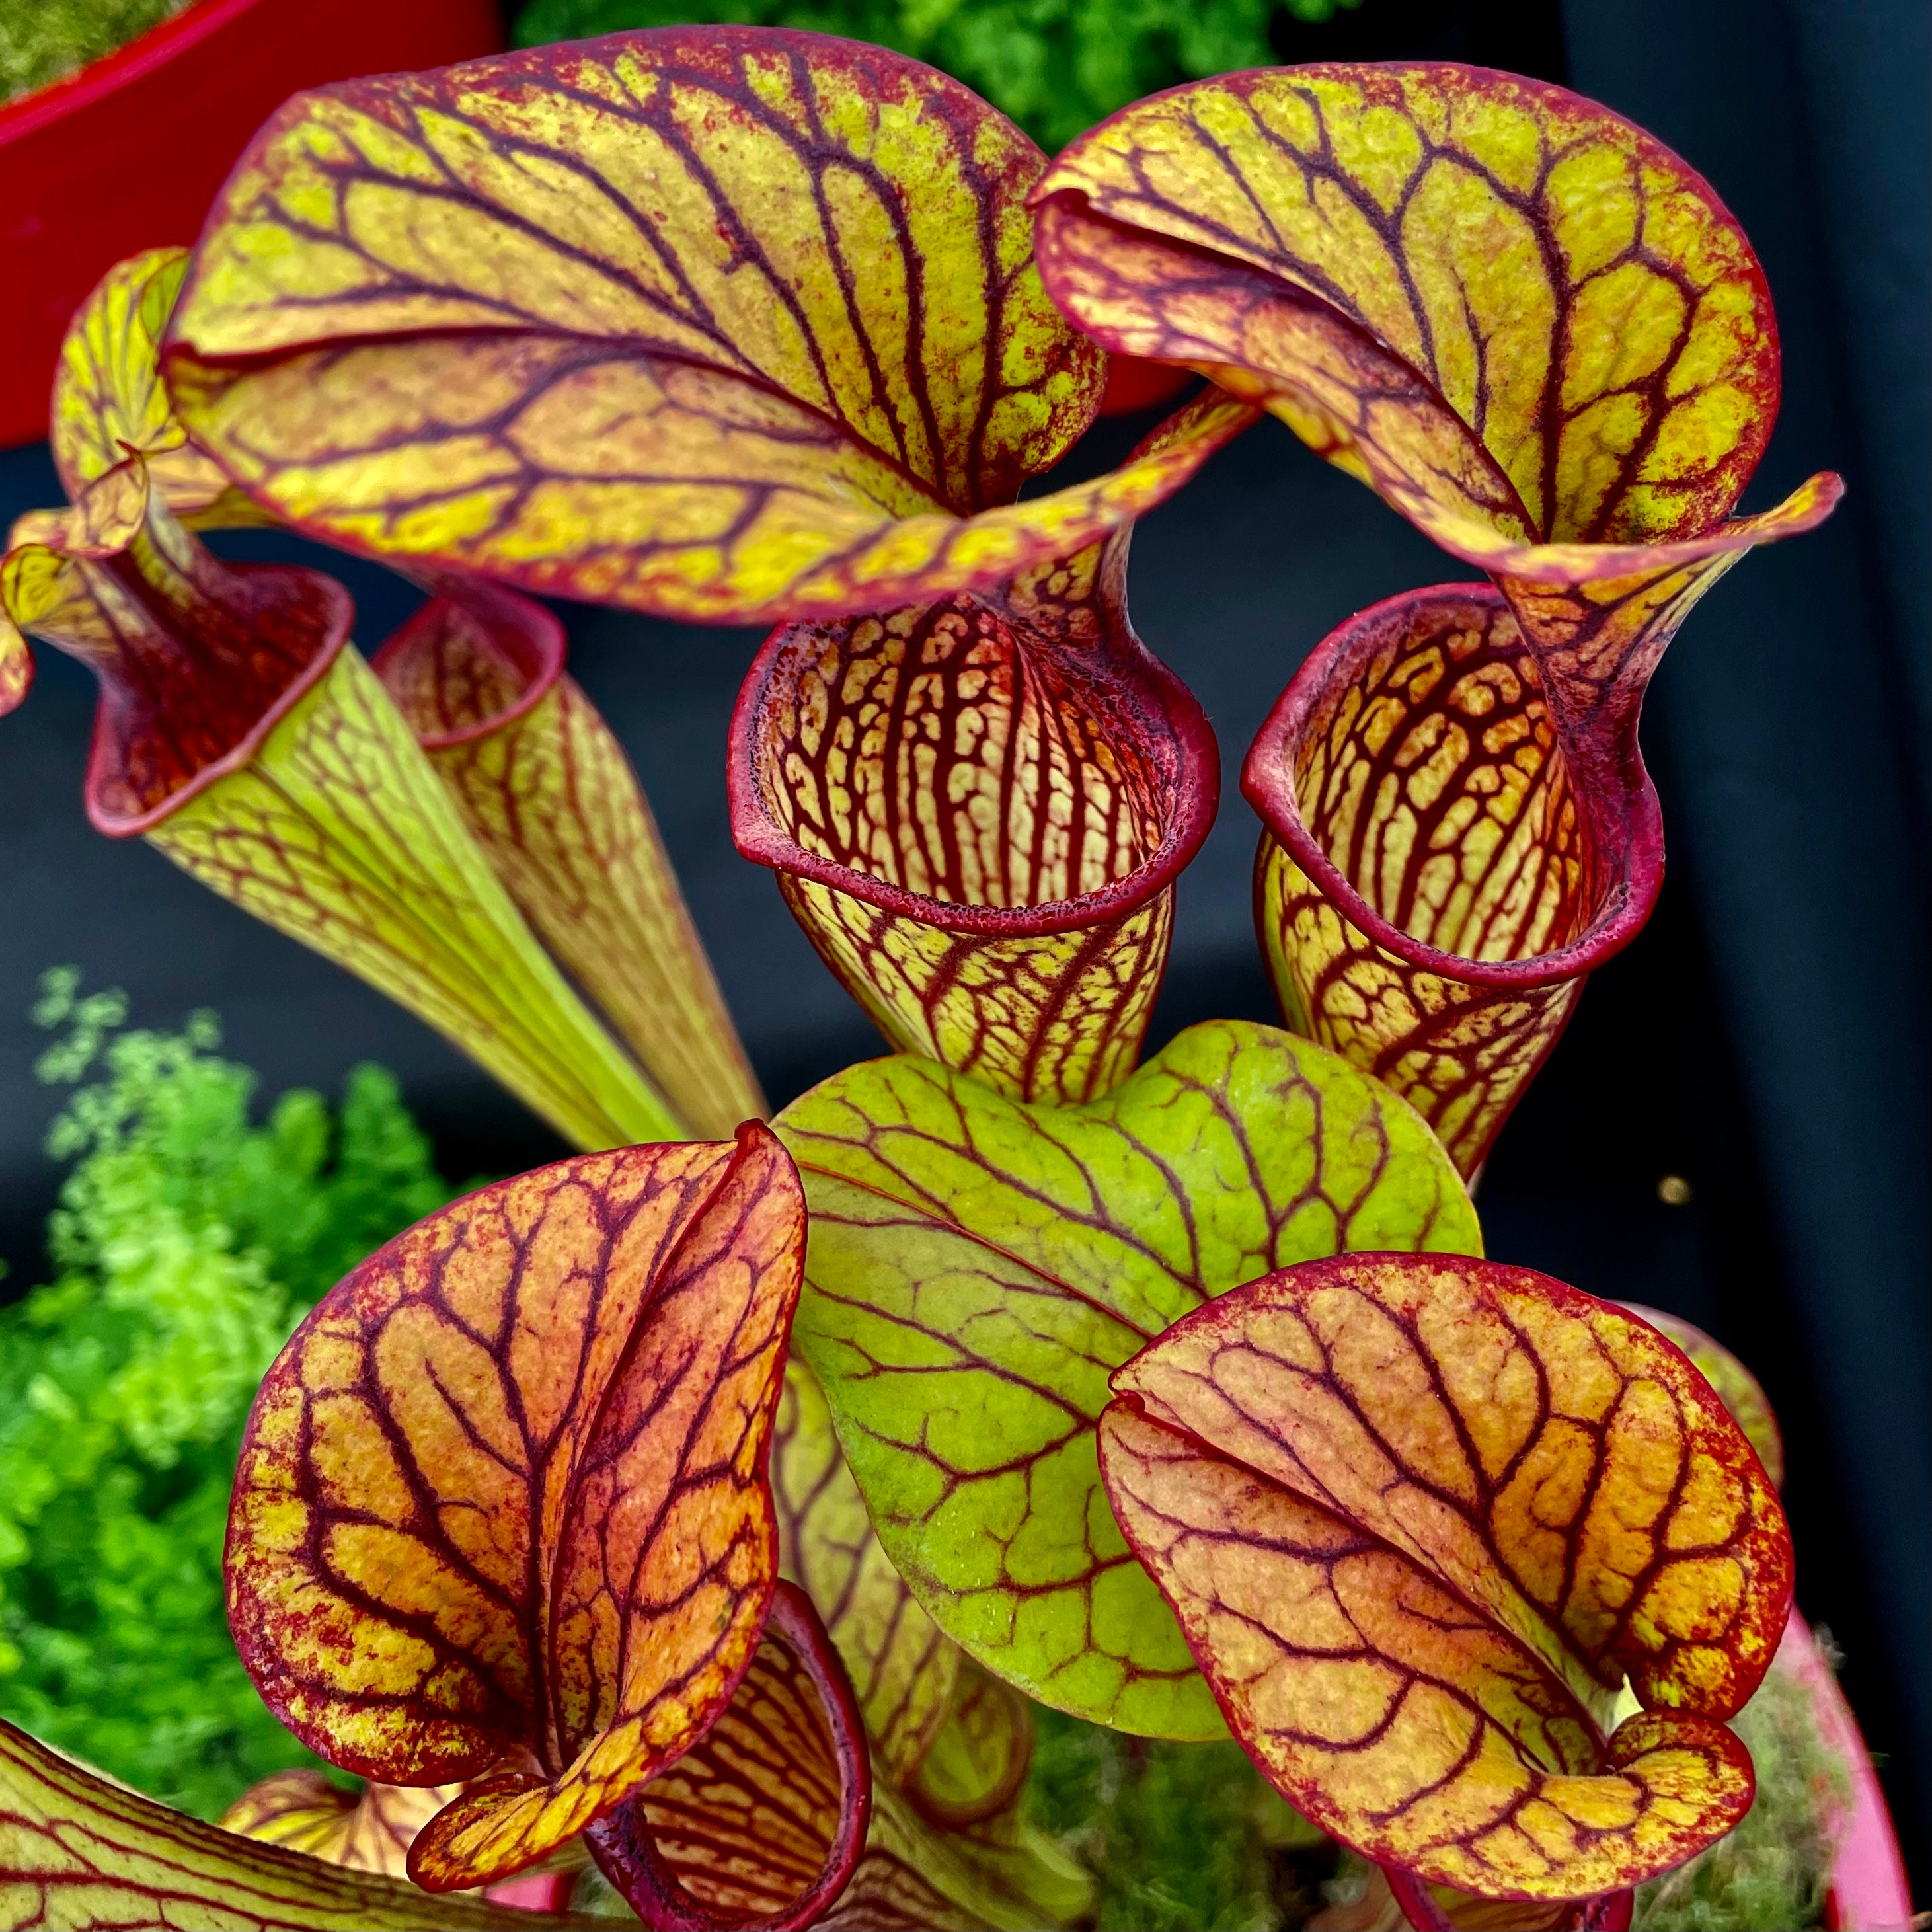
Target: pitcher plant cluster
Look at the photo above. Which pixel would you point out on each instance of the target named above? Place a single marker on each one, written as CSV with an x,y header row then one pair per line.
x,y
711,1504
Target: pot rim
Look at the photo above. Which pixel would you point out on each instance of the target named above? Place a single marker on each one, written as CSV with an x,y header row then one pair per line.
x,y
1868,1890
43,106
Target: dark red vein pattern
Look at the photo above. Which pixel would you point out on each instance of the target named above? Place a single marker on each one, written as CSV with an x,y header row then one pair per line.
x,y
502,1496
954,1849
976,810
1737,1388
1419,1519
903,1670
721,322
78,1854
1431,889
1528,324
762,1821
339,833
772,206
235,732
978,1267
109,401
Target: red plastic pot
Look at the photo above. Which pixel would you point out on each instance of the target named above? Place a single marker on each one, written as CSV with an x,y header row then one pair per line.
x,y
535,1891
1869,1893
127,154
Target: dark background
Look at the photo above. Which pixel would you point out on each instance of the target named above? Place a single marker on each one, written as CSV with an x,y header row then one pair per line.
x,y
1765,1039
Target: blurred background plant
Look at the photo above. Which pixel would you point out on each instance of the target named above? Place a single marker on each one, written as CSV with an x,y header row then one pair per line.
x,y
42,40
1181,1837
187,1243
1055,66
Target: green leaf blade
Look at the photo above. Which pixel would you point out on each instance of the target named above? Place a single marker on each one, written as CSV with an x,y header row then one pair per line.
x,y
979,1267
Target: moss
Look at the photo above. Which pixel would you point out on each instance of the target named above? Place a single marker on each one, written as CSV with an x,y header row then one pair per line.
x,y
1188,1836
42,40
1180,1837
189,1240
1055,66
1769,1875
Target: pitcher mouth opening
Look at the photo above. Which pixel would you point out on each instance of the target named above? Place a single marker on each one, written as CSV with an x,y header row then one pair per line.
x,y
1067,748
1452,633
511,653
118,804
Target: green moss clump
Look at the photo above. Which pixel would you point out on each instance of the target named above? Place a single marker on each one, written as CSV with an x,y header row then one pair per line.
x,y
1771,1874
42,40
188,1242
1180,1837
1055,66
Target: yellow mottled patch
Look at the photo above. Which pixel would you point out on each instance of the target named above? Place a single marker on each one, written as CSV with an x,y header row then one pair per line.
x,y
1594,203
1506,140
1381,151
1624,326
